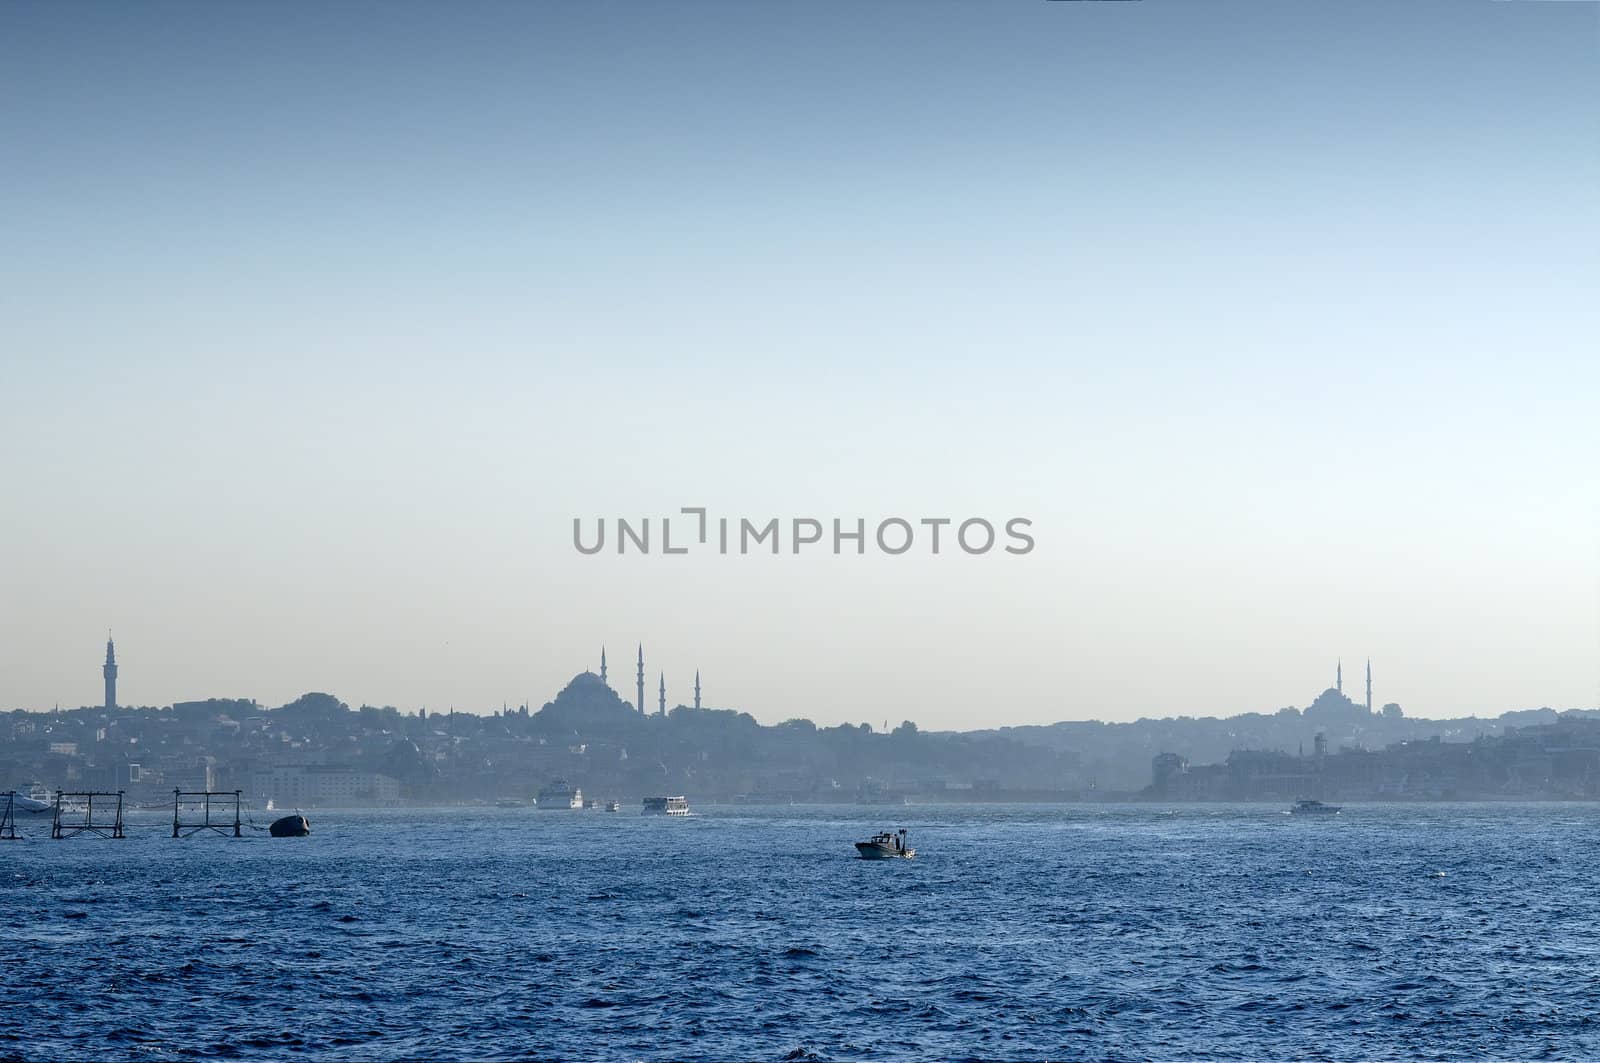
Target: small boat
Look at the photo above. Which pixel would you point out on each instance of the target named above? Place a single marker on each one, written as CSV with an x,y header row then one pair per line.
x,y
1314,808
613,806
887,845
666,806
509,802
295,826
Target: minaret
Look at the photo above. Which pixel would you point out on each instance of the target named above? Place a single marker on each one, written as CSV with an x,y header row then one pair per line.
x,y
602,664
641,679
109,670
1369,686
697,689
1338,677
662,709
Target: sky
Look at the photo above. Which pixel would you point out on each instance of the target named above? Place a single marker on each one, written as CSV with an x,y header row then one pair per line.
x,y
320,324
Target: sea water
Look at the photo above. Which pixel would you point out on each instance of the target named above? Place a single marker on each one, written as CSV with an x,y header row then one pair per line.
x,y
1018,932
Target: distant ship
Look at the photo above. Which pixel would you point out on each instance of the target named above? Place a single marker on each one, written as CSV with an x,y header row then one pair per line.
x,y
613,806
1314,808
561,794
666,806
886,846
33,799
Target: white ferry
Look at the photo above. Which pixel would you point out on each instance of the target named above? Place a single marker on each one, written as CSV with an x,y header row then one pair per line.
x,y
34,798
561,794
666,806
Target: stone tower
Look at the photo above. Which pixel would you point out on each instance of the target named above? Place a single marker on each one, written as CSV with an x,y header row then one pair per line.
x,y
109,670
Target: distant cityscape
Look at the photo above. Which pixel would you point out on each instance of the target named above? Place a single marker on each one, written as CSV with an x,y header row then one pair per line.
x,y
317,751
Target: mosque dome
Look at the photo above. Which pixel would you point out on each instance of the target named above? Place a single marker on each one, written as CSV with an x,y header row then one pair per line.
x,y
585,702
1333,704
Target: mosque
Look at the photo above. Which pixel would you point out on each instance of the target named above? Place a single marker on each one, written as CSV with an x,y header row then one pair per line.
x,y
589,695
1334,705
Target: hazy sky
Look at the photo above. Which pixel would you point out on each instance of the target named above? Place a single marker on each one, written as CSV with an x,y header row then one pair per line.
x,y
319,323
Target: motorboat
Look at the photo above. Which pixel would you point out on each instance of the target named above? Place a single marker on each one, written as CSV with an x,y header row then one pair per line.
x,y
1306,807
888,845
666,806
613,806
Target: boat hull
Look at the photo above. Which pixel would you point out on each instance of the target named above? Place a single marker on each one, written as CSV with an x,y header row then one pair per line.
x,y
296,826
874,851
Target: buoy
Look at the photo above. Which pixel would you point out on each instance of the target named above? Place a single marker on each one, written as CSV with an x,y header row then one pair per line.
x,y
296,826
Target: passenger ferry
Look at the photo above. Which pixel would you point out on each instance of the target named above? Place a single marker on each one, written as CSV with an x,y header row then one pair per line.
x,y
34,798
561,794
666,806
1314,808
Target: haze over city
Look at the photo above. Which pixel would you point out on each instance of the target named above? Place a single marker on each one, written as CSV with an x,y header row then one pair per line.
x,y
322,324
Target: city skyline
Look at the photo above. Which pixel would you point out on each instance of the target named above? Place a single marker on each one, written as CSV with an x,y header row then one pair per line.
x,y
110,669
329,322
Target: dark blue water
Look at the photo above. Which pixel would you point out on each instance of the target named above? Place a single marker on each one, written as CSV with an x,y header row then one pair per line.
x,y
1017,933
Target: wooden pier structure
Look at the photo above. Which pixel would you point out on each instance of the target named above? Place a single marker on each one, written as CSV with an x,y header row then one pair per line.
x,y
200,802
75,814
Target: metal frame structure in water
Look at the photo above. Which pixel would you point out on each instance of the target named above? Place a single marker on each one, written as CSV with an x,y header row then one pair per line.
x,y
203,798
8,818
71,828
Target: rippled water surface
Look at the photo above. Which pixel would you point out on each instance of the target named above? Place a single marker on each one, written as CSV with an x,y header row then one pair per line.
x,y
1454,931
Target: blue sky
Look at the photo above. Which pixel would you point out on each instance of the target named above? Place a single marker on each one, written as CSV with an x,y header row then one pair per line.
x,y
323,322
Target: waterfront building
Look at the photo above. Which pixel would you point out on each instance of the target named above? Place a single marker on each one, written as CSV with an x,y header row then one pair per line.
x,y
326,785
